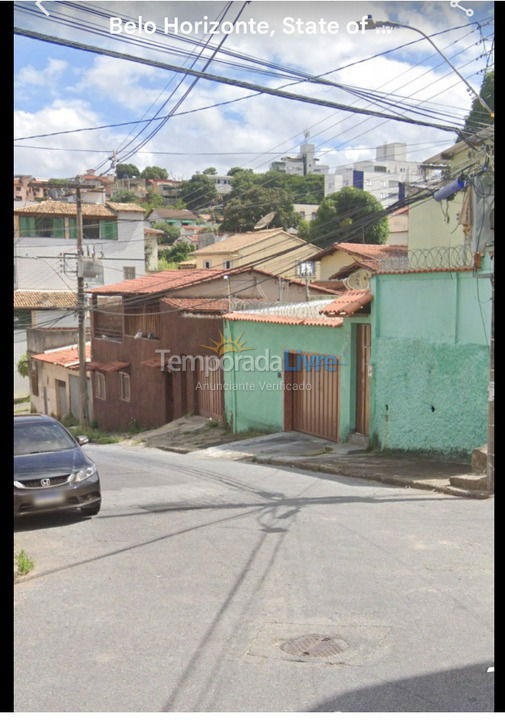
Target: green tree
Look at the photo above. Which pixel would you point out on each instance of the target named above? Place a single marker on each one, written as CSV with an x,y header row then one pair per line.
x,y
198,192
210,171
153,172
241,213
152,200
479,116
344,217
176,253
171,232
127,171
124,197
24,366
234,171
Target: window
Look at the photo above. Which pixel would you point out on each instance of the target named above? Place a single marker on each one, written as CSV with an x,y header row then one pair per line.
x,y
100,393
94,229
227,264
206,264
124,380
129,273
41,226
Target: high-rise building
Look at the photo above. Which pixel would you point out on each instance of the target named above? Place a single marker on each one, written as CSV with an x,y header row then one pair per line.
x,y
384,178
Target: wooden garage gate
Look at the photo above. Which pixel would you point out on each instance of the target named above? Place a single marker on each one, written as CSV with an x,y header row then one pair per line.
x,y
209,392
311,395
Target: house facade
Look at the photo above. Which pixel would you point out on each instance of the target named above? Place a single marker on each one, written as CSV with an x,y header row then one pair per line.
x,y
54,377
340,259
45,244
274,250
304,367
138,324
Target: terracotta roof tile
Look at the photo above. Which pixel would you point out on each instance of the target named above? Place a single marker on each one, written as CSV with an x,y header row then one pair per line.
x,y
348,303
237,241
65,357
112,366
286,319
125,207
202,305
366,253
157,282
58,207
42,300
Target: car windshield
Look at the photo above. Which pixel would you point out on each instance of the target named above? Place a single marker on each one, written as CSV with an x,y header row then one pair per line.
x,y
31,438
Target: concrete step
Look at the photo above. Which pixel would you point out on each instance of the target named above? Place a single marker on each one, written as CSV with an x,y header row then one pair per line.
x,y
360,440
471,481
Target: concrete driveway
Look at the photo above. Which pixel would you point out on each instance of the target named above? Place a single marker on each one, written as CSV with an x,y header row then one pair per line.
x,y
213,585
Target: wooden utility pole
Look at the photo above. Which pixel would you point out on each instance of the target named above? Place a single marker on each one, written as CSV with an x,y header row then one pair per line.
x,y
83,382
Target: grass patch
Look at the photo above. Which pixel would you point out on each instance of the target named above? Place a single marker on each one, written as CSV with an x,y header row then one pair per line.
x,y
24,563
96,436
24,399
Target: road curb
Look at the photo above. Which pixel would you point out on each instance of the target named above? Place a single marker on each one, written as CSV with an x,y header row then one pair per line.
x,y
399,480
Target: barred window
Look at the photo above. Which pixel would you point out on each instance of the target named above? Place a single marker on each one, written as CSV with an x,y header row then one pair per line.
x,y
100,386
124,380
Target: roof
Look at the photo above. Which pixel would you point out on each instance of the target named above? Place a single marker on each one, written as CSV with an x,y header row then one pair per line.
x,y
313,313
237,241
171,214
484,135
167,280
111,366
58,207
286,319
153,231
125,207
366,254
67,356
42,300
157,282
348,303
201,305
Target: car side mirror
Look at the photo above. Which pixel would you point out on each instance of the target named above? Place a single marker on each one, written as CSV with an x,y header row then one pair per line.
x,y
82,439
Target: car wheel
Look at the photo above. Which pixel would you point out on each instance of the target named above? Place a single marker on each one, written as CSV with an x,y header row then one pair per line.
x,y
91,509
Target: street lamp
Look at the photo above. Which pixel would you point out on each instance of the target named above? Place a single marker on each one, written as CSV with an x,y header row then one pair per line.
x,y
368,23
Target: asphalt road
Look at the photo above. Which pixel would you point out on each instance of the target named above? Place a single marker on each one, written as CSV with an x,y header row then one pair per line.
x,y
181,594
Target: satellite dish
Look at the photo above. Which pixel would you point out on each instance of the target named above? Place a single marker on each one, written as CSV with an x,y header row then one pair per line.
x,y
358,280
265,221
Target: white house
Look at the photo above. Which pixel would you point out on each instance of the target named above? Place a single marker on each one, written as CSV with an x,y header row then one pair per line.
x,y
45,244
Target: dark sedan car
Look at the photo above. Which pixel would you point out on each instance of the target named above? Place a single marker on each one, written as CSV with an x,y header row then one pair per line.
x,y
51,472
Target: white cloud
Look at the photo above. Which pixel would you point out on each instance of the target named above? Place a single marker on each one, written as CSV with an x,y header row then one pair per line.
x,y
261,123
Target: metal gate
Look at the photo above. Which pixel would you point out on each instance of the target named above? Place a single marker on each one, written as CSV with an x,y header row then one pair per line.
x,y
311,395
363,340
209,392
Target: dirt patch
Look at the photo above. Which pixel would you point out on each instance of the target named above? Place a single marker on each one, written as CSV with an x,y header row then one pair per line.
x,y
190,433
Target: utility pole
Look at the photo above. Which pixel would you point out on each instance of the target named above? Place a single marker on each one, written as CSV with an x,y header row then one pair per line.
x,y
83,386
83,382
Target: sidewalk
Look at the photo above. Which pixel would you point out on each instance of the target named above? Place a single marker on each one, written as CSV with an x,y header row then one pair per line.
x,y
292,449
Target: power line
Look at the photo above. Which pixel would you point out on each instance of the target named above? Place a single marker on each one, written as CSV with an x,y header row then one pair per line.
x,y
228,81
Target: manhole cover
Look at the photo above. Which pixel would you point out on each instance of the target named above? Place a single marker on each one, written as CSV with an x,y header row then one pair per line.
x,y
314,646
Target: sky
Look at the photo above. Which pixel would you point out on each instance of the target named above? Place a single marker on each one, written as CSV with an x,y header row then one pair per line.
x,y
59,88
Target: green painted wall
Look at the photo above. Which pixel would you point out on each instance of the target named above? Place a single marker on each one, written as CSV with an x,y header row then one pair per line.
x,y
254,407
430,358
